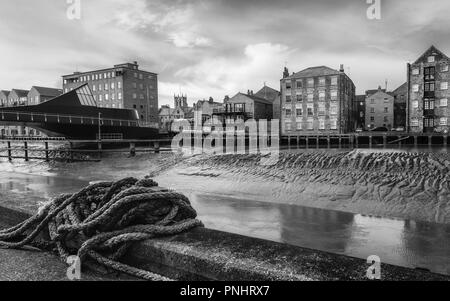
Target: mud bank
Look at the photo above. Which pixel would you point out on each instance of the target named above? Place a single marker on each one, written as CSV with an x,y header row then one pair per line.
x,y
390,184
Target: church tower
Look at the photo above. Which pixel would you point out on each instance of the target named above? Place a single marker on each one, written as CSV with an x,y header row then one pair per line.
x,y
180,101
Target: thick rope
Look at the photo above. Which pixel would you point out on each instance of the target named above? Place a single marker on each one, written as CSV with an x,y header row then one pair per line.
x,y
100,222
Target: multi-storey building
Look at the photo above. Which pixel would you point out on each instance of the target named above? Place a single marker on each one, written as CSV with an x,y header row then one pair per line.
x,y
38,95
428,93
18,97
123,86
317,100
359,112
379,110
204,110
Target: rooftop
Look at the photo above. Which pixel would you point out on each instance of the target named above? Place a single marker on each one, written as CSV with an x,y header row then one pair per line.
x,y
315,71
45,91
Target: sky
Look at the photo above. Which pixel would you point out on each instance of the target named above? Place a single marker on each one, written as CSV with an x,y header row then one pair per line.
x,y
214,48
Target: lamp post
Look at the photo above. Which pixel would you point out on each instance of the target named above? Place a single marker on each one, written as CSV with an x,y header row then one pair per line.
x,y
99,127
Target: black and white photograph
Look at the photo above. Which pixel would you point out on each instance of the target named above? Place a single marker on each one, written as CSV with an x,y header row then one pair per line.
x,y
224,146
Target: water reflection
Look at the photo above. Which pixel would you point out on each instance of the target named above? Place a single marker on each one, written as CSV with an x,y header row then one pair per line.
x,y
404,243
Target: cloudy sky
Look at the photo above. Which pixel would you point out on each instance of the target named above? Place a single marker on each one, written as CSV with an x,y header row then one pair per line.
x,y
217,47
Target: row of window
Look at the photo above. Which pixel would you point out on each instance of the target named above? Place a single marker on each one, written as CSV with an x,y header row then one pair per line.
x,y
106,97
309,125
103,75
310,82
321,110
385,110
430,122
430,104
107,86
310,96
428,87
385,118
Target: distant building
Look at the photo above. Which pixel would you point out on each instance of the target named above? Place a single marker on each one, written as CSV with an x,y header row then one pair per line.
x,y
242,107
166,117
428,93
38,95
182,110
400,95
317,100
274,96
18,97
379,109
204,111
4,98
359,112
123,86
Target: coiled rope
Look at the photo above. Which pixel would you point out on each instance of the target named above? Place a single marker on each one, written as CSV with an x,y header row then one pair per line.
x,y
100,222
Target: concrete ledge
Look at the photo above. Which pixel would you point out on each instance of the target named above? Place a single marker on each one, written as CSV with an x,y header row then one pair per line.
x,y
204,254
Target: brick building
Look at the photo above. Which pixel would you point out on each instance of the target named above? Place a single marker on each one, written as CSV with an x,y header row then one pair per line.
x,y
428,93
18,97
204,111
38,95
123,86
379,109
274,96
317,100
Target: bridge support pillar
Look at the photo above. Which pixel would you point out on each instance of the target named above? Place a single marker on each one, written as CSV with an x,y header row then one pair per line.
x,y
317,142
47,156
132,149
307,142
328,142
157,147
384,141
445,140
430,140
71,151
416,141
25,148
370,141
356,141
9,151
340,142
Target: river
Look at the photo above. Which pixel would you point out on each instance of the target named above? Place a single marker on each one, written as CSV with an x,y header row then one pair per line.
x,y
242,209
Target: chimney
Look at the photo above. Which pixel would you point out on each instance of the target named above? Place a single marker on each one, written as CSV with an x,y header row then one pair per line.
x,y
248,92
286,72
342,68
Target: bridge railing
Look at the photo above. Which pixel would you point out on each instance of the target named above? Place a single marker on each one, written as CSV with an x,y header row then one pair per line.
x,y
17,116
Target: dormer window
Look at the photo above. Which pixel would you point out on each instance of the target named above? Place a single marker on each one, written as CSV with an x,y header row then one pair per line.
x,y
431,59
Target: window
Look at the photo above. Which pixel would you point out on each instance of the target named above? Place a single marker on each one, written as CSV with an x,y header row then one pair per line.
x,y
141,86
112,86
386,110
415,104
428,122
333,109
106,87
372,118
416,71
288,98
444,68
310,124
428,104
100,97
299,126
322,95
310,111
106,96
119,85
141,96
288,126
444,85
288,113
310,97
443,102
311,82
443,121
334,81
333,124
119,96
134,85
372,110
429,73
288,85
299,98
322,81
415,88
386,119
94,88
134,95
141,76
321,124
321,108
299,112
299,84
431,59
334,95
429,87
99,87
